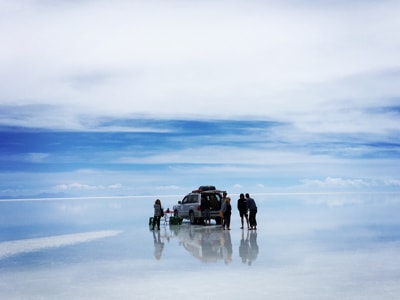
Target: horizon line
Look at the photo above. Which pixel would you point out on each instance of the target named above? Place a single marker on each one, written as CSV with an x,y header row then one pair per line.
x,y
181,195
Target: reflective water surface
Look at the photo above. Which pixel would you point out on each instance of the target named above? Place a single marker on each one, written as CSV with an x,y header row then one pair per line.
x,y
343,246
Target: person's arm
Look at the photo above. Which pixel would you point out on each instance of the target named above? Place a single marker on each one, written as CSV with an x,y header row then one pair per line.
x,y
223,206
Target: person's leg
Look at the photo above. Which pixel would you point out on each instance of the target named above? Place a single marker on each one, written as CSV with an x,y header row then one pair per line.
x,y
158,222
251,219
154,222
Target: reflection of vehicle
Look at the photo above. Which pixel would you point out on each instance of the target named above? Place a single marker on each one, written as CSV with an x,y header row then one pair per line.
x,y
208,244
189,207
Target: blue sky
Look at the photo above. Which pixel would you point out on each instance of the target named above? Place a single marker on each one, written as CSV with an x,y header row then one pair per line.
x,y
157,97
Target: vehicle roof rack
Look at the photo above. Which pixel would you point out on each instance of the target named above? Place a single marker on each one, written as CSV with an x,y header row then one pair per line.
x,y
209,191
204,188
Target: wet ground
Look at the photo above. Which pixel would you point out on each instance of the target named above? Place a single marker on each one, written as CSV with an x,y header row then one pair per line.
x,y
343,246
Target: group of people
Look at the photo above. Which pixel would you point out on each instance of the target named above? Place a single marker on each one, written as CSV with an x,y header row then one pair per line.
x,y
247,211
245,204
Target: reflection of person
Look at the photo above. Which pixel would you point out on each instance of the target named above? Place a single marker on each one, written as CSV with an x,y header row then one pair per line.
x,y
248,248
243,209
227,211
226,247
158,245
244,248
157,214
205,209
253,251
251,204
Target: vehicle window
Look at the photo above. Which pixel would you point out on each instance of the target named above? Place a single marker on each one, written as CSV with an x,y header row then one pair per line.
x,y
193,198
185,200
215,201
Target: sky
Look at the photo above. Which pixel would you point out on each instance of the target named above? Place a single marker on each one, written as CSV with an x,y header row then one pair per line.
x,y
116,98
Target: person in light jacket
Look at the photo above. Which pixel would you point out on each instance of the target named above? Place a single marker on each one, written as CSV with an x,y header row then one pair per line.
x,y
227,211
158,213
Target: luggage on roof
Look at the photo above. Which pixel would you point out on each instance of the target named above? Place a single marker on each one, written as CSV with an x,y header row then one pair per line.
x,y
204,188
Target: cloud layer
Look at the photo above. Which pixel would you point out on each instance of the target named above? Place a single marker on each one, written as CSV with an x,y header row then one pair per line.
x,y
314,64
263,92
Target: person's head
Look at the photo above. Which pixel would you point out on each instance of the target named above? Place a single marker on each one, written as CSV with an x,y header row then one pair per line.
x,y
224,194
228,199
241,196
158,201
247,195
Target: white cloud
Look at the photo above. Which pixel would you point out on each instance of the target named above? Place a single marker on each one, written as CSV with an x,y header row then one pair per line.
x,y
392,182
80,186
168,187
37,157
227,155
338,183
115,186
319,68
302,64
330,182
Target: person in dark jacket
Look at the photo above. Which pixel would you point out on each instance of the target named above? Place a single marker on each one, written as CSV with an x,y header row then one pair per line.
x,y
243,210
158,213
251,204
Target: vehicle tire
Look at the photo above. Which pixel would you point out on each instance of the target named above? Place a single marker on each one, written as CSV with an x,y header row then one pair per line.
x,y
192,218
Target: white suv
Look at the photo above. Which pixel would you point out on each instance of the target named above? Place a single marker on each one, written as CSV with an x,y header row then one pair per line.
x,y
189,207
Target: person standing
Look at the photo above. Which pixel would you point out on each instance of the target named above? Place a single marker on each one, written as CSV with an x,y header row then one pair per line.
x,y
243,210
227,211
205,209
251,204
221,212
158,213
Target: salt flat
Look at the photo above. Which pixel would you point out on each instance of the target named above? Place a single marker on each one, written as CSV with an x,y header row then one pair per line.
x,y
337,246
